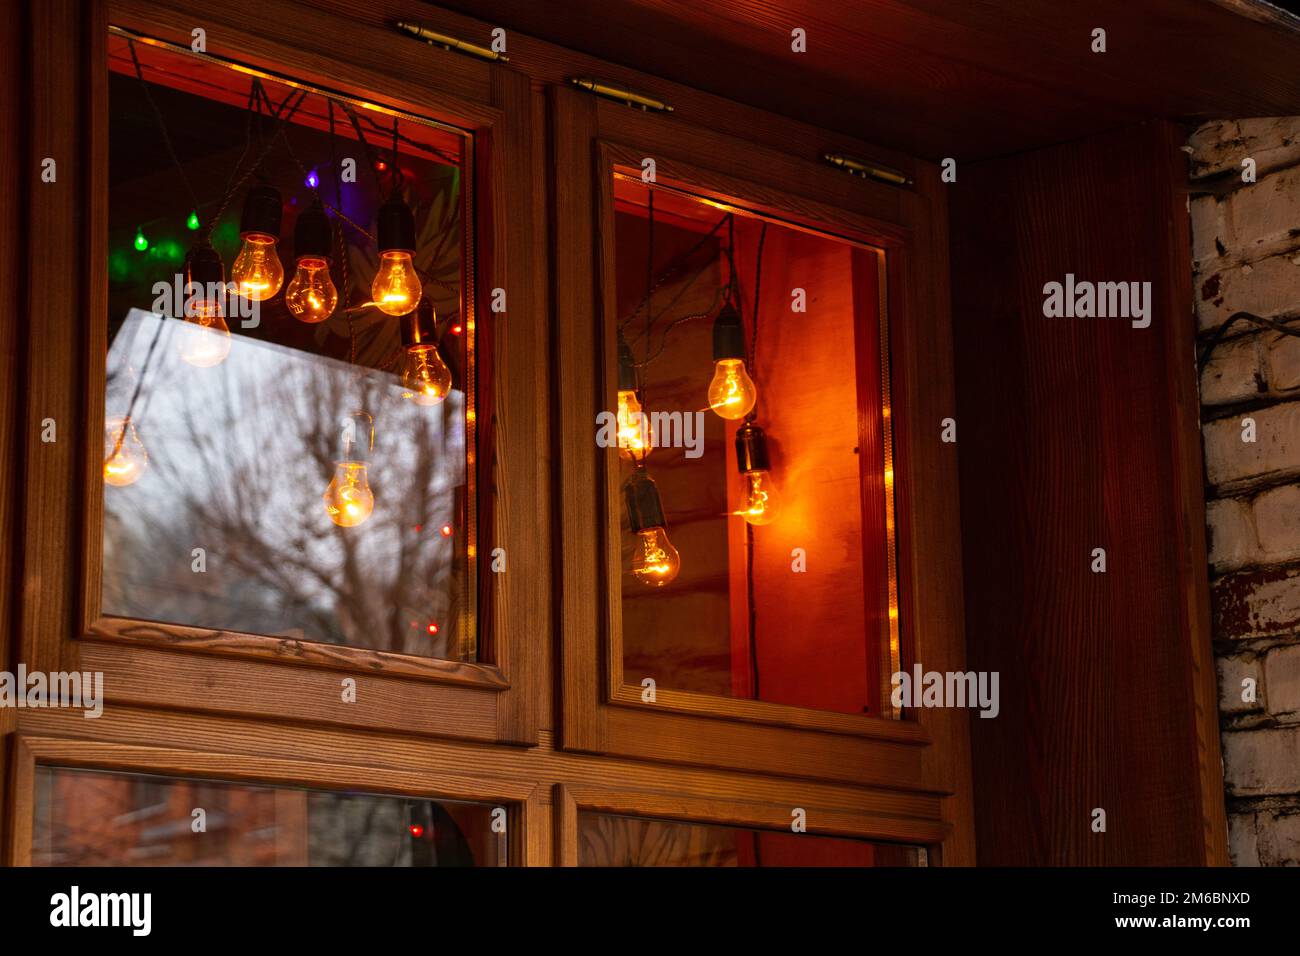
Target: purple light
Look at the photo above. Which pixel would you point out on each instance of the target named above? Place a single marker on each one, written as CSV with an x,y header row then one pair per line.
x,y
312,179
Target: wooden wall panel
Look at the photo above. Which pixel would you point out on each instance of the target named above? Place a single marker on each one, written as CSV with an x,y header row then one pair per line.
x,y
1075,434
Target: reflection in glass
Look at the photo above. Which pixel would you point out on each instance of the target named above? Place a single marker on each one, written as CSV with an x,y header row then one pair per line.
x,y
606,839
95,818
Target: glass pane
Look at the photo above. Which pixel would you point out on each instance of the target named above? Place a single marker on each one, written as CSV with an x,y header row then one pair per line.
x,y
753,351
95,818
299,464
606,839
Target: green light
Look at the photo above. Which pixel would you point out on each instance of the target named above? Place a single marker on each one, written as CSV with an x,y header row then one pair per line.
x,y
193,222
141,243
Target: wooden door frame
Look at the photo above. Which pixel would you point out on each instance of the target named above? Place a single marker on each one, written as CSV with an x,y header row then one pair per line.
x,y
184,667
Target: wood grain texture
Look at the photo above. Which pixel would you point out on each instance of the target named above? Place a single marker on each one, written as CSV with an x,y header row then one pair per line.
x,y
1078,434
936,77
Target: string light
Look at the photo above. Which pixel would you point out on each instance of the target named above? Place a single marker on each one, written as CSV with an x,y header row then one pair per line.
x,y
141,243
655,562
348,499
257,270
311,295
761,498
192,223
732,393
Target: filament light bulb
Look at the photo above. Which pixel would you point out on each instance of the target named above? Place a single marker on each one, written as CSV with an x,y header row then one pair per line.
x,y
634,441
311,295
426,380
204,339
732,392
257,271
761,498
348,499
655,562
125,458
396,289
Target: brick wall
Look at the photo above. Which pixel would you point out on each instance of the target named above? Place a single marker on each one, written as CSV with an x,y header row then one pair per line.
x,y
1246,254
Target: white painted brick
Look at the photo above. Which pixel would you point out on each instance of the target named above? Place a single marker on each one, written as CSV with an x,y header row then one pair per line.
x,y
1272,141
1243,845
1276,447
1231,374
1282,678
1264,212
1262,762
1277,524
1269,287
1283,362
1232,671
1231,533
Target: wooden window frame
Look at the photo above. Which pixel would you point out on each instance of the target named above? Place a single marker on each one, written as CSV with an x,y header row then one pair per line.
x,y
890,821
928,750
178,666
526,824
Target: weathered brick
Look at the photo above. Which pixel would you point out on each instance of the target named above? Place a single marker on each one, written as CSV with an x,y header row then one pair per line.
x,y
1269,287
1259,603
1276,447
1262,762
1282,677
1264,213
1231,533
1232,672
1232,373
1272,141
1277,841
1207,227
1283,362
1243,845
1277,524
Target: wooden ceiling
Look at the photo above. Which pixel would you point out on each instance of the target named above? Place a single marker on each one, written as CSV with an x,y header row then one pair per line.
x,y
963,78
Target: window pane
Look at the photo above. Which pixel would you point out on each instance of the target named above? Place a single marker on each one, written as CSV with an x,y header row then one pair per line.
x,y
768,338
94,818
606,839
220,448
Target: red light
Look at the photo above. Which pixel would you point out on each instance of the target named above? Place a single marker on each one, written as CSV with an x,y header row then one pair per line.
x,y
446,531
419,528
455,330
433,628
381,165
417,831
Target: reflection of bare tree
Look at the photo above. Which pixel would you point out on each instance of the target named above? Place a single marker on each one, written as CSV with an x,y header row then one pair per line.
x,y
240,455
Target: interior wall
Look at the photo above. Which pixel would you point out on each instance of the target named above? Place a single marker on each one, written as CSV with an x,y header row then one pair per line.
x,y
1246,253
1078,434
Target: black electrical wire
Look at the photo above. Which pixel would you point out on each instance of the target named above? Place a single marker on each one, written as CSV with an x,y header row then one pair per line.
x,y
1253,319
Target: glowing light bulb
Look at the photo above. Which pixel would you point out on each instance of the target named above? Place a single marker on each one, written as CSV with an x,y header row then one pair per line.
x,y
348,499
192,223
634,441
141,243
761,499
396,289
204,339
655,561
732,393
257,271
311,295
125,458
426,380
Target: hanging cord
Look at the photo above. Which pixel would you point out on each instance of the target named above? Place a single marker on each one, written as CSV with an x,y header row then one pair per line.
x,y
671,270
649,284
162,126
1257,320
758,288
351,114
749,528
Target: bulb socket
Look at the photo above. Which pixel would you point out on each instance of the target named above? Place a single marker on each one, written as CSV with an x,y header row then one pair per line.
x,y
751,449
261,212
420,327
357,437
644,509
396,227
312,234
728,334
627,370
203,267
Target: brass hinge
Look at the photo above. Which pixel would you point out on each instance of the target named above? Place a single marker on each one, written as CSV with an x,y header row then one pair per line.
x,y
627,97
450,43
863,170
